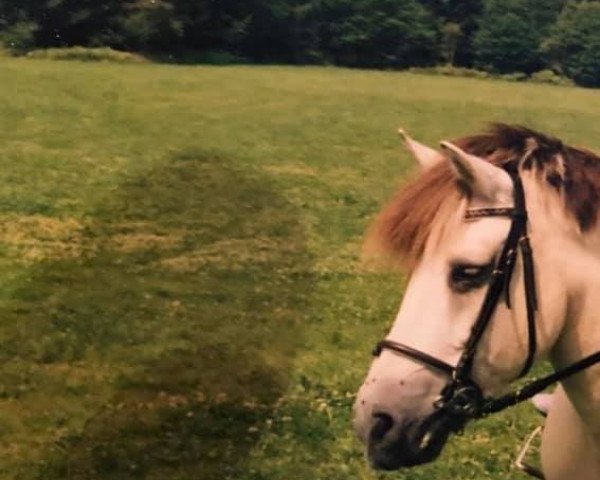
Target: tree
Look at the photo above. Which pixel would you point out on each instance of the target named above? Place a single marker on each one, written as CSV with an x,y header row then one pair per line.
x,y
58,23
269,31
451,33
213,25
72,22
379,33
511,32
573,46
147,26
465,14
305,32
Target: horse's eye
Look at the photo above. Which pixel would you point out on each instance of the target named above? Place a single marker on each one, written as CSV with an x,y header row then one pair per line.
x,y
464,278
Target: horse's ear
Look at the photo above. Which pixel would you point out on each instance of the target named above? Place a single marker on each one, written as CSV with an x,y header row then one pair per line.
x,y
477,177
427,157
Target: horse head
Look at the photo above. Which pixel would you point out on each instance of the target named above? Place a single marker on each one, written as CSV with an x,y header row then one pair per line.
x,y
453,256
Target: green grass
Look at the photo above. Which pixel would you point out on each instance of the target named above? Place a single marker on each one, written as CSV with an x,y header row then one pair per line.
x,y
182,296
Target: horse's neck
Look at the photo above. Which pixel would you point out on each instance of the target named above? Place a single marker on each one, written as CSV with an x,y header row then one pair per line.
x,y
580,336
576,264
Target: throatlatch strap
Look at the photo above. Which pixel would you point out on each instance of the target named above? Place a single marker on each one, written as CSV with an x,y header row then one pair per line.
x,y
531,303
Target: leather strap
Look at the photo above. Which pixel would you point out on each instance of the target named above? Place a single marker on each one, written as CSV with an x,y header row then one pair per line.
x,y
498,285
498,404
531,303
488,212
415,354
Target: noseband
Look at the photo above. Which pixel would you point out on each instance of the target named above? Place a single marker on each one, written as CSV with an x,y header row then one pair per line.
x,y
462,396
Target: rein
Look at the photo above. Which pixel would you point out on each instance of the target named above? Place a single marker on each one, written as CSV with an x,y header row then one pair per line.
x,y
462,396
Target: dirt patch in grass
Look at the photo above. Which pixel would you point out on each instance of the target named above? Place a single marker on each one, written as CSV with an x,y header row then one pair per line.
x,y
38,237
297,169
131,242
191,305
233,253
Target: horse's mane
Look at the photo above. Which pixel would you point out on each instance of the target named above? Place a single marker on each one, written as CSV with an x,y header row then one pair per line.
x,y
405,223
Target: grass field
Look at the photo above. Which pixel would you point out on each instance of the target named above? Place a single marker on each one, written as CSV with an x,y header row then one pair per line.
x,y
181,292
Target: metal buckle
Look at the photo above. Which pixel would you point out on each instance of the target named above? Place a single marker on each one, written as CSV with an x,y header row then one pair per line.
x,y
463,400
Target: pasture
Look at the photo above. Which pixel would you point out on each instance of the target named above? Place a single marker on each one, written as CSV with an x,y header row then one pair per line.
x,y
182,295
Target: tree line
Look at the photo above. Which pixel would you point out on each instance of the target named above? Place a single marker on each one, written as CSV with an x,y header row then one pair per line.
x,y
498,36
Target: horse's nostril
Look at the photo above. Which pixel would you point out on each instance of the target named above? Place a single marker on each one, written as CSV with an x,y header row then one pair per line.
x,y
382,424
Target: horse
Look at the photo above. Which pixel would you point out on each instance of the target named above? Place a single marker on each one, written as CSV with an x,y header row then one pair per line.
x,y
500,235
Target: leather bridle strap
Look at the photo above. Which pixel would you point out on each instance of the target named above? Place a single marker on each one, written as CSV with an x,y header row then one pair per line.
x,y
495,405
414,354
530,301
499,283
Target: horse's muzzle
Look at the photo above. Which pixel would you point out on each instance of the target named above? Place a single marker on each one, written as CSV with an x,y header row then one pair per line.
x,y
393,443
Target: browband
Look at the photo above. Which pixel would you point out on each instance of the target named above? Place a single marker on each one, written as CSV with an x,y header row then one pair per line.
x,y
489,212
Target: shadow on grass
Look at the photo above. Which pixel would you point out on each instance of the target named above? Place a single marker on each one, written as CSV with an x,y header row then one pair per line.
x,y
190,301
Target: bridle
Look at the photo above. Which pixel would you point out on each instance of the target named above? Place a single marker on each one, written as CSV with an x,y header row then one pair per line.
x,y
462,396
